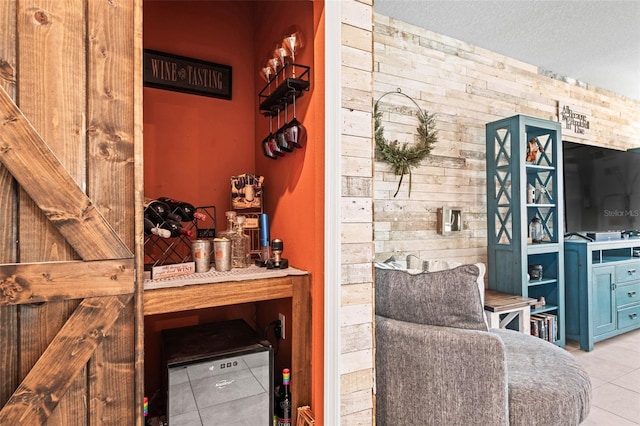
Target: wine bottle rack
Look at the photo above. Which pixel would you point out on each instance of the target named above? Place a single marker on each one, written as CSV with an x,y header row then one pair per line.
x,y
160,251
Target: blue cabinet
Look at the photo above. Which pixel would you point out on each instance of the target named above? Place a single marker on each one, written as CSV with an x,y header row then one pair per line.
x,y
602,289
524,185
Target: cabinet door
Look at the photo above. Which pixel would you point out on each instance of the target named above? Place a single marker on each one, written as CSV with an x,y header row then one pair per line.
x,y
603,302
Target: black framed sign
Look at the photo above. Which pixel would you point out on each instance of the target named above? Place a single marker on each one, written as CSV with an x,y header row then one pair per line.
x,y
172,72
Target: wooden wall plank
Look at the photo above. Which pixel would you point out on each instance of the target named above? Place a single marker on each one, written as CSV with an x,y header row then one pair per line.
x,y
110,114
39,325
9,377
54,281
42,389
50,91
465,87
111,158
112,388
136,11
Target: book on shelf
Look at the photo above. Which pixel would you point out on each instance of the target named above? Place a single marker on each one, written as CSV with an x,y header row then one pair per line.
x,y
545,326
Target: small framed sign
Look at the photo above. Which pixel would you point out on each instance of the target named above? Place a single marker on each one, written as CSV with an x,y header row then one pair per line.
x,y
187,75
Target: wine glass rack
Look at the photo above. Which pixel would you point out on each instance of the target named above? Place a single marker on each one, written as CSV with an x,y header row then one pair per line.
x,y
159,251
272,102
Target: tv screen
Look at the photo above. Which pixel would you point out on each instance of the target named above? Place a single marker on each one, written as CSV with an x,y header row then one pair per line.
x,y
601,189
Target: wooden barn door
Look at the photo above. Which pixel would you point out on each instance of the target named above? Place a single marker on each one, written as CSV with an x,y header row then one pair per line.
x,y
70,186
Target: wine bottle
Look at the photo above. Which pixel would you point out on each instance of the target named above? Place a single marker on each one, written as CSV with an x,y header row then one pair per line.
x,y
283,401
186,211
151,228
157,211
176,228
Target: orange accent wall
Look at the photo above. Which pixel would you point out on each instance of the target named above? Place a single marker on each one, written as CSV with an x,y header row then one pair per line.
x,y
193,144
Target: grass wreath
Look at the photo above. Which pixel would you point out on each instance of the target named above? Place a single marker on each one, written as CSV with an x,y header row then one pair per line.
x,y
403,157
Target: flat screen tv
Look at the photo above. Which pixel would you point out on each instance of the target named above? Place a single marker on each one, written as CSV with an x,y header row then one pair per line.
x,y
601,189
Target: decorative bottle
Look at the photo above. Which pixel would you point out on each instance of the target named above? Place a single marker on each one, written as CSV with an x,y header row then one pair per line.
x,y
283,401
240,246
231,226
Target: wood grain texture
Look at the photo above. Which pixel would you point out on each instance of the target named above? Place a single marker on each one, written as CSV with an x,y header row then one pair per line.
x,y
465,87
50,89
110,115
54,281
111,158
198,296
50,43
51,92
138,194
38,171
43,387
8,211
296,287
111,375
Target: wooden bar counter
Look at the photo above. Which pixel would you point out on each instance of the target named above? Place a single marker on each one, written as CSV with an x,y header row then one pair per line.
x,y
253,284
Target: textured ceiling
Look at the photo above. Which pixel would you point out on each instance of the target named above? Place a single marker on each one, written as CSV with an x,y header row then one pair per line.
x,y
596,42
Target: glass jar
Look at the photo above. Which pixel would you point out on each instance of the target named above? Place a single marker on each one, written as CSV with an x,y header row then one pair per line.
x,y
536,232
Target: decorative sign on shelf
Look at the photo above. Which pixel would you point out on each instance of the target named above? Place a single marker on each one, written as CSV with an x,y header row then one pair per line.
x,y
574,121
180,74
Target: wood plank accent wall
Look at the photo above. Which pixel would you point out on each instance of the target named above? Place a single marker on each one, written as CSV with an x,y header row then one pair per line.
x,y
466,87
357,374
69,333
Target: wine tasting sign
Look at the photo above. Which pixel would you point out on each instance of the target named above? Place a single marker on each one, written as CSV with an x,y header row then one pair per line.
x,y
180,74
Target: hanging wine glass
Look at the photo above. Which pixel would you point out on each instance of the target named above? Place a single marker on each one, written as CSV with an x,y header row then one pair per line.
x,y
281,136
275,146
293,42
280,53
275,64
266,142
266,72
295,132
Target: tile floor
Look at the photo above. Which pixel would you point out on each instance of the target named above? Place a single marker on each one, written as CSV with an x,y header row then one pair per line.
x,y
614,369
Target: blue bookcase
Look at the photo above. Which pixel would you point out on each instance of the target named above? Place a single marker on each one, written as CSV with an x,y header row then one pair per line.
x,y
511,173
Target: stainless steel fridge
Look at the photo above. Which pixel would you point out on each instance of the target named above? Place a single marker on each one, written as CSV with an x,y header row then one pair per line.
x,y
218,374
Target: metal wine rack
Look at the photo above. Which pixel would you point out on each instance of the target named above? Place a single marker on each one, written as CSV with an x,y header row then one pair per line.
x,y
160,251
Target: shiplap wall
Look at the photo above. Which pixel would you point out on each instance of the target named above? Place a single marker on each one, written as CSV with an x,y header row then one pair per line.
x,y
465,87
356,312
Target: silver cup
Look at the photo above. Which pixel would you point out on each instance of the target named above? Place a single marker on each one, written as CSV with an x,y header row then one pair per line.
x,y
201,252
222,254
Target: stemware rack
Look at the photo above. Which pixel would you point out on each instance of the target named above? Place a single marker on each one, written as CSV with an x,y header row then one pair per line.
x,y
160,251
274,101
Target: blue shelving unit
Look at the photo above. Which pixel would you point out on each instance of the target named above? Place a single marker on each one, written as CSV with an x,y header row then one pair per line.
x,y
509,212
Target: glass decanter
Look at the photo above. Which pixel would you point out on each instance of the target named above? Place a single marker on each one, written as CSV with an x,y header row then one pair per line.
x,y
240,246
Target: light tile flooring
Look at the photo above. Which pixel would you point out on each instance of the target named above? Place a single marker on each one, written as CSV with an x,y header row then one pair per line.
x,y
614,368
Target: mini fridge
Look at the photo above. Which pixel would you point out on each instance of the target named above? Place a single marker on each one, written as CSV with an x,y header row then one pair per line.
x,y
217,374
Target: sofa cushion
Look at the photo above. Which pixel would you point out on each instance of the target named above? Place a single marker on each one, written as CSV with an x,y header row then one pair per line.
x,y
448,298
547,386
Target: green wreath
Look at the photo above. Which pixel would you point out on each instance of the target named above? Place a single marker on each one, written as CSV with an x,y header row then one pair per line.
x,y
402,157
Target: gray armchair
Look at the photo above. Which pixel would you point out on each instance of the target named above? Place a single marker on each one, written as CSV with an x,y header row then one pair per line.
x,y
438,364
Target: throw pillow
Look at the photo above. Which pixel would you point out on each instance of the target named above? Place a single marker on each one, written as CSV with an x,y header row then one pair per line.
x,y
448,298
